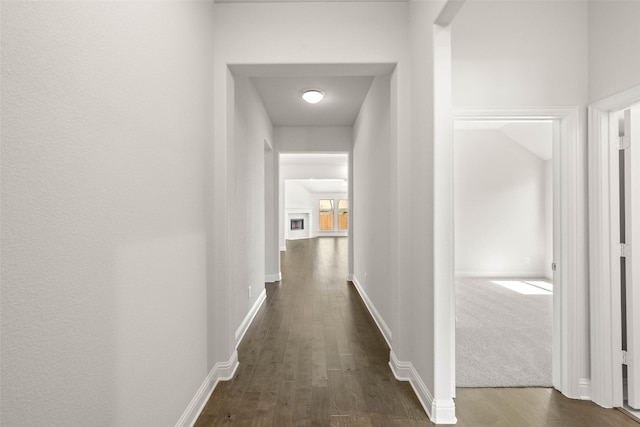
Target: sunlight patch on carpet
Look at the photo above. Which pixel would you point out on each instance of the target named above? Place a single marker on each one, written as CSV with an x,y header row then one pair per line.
x,y
541,284
523,288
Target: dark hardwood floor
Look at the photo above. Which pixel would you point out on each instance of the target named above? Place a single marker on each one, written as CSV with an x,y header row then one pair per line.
x,y
314,357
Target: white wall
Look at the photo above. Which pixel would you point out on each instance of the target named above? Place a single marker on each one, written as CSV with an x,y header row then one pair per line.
x,y
313,139
524,53
246,205
297,196
501,198
106,117
412,150
372,201
614,43
272,221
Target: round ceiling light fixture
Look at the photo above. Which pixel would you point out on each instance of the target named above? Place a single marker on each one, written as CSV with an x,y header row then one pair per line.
x,y
312,96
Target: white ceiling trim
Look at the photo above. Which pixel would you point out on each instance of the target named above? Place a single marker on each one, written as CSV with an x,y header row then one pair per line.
x,y
339,159
312,70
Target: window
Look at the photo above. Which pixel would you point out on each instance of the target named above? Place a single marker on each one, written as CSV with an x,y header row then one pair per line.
x,y
326,214
343,214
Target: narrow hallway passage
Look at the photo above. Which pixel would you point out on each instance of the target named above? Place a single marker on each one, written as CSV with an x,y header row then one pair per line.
x,y
313,355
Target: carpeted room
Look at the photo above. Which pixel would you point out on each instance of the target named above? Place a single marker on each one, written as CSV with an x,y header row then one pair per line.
x,y
504,246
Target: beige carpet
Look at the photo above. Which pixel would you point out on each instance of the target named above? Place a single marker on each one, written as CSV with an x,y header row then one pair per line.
x,y
503,337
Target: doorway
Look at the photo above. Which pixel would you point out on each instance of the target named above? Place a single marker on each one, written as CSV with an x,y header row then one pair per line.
x,y
315,189
568,276
503,203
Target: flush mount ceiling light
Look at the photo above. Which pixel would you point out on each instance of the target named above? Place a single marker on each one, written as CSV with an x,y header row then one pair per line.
x,y
312,96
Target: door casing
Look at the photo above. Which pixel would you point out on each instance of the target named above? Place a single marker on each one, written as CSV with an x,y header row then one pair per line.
x,y
606,327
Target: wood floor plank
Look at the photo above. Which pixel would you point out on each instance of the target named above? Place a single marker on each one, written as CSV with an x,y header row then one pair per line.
x,y
348,362
302,415
285,404
339,403
320,406
358,420
313,356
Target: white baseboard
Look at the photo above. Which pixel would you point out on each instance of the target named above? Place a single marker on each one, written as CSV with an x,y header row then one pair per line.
x,y
440,411
283,248
331,234
382,325
443,411
500,274
222,371
350,277
270,278
242,329
401,370
584,389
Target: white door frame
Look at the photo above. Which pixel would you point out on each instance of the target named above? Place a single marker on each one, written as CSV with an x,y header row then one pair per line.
x,y
606,328
571,269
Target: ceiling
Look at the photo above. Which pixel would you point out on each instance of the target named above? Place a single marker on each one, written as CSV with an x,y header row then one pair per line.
x,y
324,185
280,85
534,135
343,97
345,87
337,185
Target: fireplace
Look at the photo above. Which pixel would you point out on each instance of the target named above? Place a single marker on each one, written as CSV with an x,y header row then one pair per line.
x,y
298,224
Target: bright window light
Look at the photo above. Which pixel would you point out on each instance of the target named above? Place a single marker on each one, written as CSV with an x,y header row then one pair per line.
x,y
312,96
522,287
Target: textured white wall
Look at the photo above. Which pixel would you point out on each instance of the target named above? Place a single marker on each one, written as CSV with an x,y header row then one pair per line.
x,y
313,139
524,53
106,116
314,171
414,215
296,196
614,43
500,206
246,202
372,201
272,244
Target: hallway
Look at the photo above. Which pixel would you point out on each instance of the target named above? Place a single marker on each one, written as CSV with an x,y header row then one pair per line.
x,y
314,356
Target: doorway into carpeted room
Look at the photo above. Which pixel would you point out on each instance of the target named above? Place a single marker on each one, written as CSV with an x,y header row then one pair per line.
x,y
504,186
